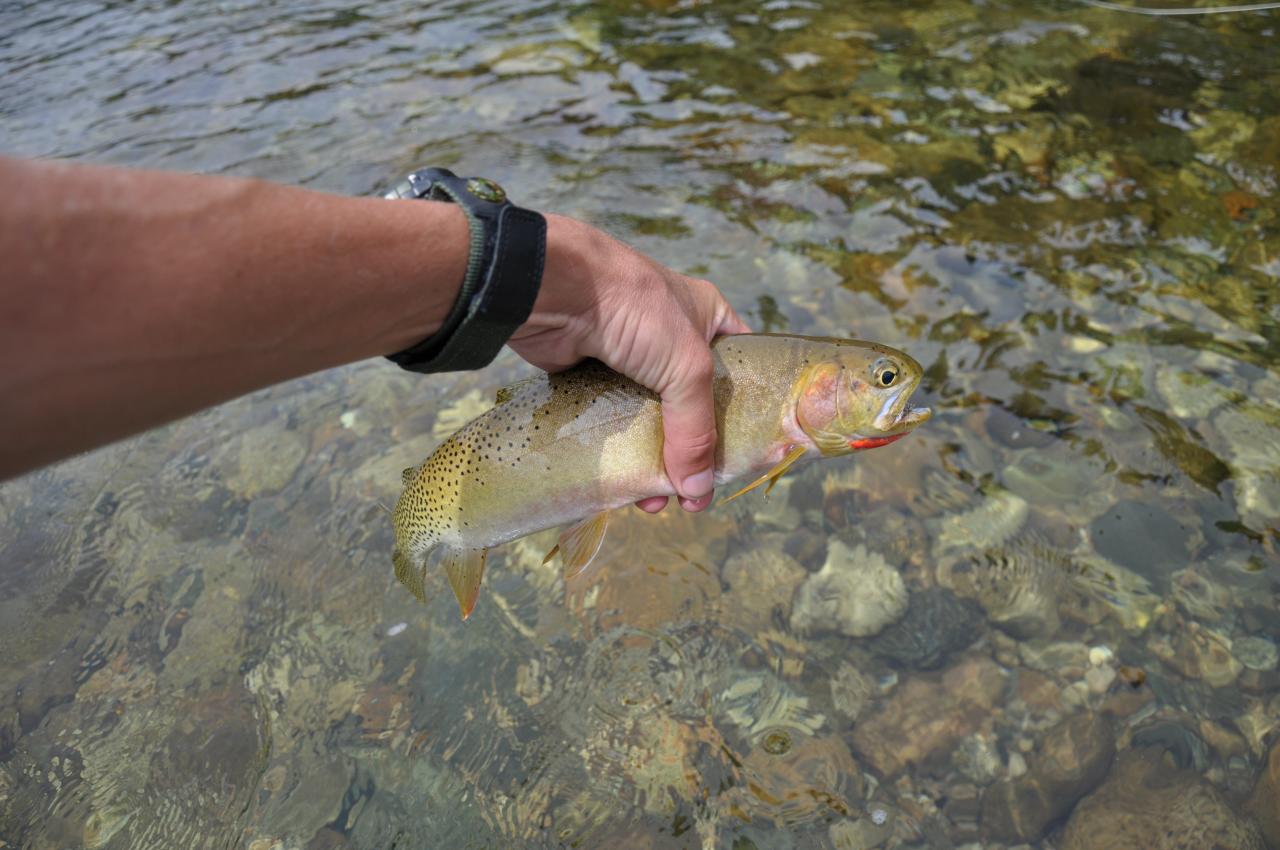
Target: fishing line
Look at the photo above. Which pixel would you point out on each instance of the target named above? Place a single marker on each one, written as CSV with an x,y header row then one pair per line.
x,y
1210,10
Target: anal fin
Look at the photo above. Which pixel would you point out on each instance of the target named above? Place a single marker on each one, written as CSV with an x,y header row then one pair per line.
x,y
579,543
409,574
773,474
465,569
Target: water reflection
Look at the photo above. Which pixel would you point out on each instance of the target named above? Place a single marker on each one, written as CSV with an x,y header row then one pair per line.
x,y
1067,214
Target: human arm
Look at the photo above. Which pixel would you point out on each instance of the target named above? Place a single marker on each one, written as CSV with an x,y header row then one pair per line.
x,y
131,298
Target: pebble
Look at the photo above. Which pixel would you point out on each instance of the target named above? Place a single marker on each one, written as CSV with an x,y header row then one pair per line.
x,y
1017,765
851,690
977,759
1075,694
1099,679
1084,344
1099,655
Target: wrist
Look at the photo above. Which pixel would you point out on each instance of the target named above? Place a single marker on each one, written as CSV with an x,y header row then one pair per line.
x,y
571,275
506,256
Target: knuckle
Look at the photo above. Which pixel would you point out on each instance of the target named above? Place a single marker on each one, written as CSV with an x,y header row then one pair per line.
x,y
698,443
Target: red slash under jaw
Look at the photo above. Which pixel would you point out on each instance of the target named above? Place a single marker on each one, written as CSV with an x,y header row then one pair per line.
x,y
874,442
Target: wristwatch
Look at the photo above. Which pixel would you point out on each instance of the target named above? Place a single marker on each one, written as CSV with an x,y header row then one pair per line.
x,y
504,271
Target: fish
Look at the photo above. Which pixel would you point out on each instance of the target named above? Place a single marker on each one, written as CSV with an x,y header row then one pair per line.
x,y
567,449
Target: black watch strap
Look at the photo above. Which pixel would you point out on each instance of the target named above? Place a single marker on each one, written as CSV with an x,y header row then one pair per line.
x,y
504,272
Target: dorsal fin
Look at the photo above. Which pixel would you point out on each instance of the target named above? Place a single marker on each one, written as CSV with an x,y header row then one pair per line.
x,y
406,474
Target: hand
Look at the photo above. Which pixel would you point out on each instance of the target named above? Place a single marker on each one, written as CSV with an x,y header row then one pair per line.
x,y
603,299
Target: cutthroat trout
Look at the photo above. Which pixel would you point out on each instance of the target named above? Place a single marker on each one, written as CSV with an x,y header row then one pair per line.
x,y
566,449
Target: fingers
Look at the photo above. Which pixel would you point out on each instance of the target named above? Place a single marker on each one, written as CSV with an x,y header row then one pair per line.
x,y
731,324
653,504
603,299
689,424
729,320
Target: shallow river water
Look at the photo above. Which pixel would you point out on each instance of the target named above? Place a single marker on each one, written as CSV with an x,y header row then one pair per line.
x,y
1049,618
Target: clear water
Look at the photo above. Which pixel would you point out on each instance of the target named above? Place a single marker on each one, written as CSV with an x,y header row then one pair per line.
x,y
1068,214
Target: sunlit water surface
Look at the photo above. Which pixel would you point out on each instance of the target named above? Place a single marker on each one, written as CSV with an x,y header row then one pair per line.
x,y
1067,214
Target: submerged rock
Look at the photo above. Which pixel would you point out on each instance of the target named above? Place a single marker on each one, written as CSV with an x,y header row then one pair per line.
x,y
760,580
977,758
1186,748
1018,585
1125,594
1054,476
937,624
1016,432
855,593
1190,394
1148,804
1072,760
1256,653
1142,537
1200,653
1264,803
869,831
1000,516
928,715
1251,434
851,690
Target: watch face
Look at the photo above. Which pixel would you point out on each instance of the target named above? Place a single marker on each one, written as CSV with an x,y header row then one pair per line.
x,y
486,190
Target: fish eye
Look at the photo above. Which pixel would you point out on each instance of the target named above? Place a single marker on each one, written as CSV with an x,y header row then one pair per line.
x,y
886,373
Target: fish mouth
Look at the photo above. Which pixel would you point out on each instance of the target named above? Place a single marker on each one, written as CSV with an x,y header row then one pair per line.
x,y
911,417
902,426
899,417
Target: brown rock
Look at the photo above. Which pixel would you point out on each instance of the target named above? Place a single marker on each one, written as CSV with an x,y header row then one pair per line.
x,y
760,580
963,807
1264,804
1126,702
1200,653
1038,691
1149,804
1073,758
1223,741
928,714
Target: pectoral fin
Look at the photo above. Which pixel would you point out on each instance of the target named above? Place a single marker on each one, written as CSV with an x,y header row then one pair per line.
x,y
772,475
504,394
465,569
579,543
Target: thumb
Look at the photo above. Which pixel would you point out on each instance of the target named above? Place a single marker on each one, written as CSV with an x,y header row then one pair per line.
x,y
689,425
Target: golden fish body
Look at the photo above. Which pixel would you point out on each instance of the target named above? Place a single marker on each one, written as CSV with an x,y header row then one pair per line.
x,y
560,448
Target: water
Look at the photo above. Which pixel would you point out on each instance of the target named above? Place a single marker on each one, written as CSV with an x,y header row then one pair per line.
x,y
1067,214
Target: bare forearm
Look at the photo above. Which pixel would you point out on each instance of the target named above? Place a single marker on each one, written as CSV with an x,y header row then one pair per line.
x,y
131,298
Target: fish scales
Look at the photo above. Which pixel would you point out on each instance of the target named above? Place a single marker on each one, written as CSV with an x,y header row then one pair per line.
x,y
558,448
